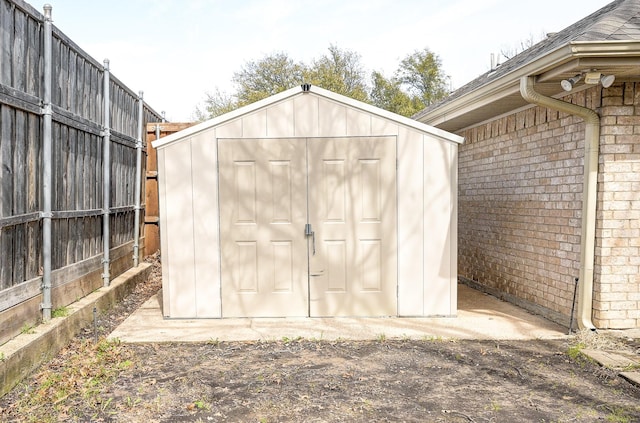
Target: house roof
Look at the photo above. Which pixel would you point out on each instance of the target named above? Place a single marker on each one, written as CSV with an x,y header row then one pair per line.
x,y
607,41
295,91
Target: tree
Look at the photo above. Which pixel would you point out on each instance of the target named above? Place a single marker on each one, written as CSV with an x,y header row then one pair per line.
x,y
388,94
341,72
418,82
421,74
511,51
264,78
216,104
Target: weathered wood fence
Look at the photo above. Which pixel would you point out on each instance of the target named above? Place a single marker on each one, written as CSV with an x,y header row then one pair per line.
x,y
84,121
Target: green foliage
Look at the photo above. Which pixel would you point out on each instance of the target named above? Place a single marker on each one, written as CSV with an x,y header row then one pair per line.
x,y
264,78
575,351
216,104
618,415
421,74
341,72
60,312
419,81
388,94
27,329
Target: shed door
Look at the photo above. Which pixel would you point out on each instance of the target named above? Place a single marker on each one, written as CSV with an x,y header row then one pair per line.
x,y
352,207
263,210
346,189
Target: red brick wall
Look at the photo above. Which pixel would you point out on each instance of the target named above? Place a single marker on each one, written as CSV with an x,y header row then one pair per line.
x,y
617,267
520,206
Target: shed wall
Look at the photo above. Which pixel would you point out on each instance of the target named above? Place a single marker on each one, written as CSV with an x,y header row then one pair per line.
x,y
426,177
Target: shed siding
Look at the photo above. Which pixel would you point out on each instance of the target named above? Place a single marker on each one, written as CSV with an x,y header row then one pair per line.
x,y
438,205
206,225
358,123
306,116
410,224
179,234
280,122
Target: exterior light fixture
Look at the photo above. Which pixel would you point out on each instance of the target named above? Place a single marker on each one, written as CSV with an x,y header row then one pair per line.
x,y
592,78
568,84
607,80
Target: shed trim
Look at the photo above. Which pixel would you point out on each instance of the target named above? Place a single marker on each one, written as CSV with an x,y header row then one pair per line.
x,y
162,142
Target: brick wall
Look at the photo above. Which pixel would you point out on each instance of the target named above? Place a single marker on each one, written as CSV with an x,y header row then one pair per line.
x,y
617,267
520,206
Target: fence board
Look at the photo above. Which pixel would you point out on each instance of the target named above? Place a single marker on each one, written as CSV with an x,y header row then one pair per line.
x,y
6,41
6,161
33,64
18,51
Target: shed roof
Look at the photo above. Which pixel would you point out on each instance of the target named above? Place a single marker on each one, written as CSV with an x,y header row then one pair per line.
x,y
295,91
607,40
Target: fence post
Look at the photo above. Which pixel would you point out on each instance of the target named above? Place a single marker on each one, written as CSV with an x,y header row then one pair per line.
x,y
106,178
136,223
46,168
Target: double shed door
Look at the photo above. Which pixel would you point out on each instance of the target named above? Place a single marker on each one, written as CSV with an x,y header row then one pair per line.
x,y
345,189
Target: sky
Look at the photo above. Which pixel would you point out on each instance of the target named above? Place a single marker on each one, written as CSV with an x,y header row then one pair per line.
x,y
176,51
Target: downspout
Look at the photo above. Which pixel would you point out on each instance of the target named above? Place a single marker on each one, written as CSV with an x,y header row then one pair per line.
x,y
46,168
136,223
589,191
106,178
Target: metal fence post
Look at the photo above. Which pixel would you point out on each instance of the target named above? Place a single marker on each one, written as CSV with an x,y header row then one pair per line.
x,y
136,223
106,178
46,168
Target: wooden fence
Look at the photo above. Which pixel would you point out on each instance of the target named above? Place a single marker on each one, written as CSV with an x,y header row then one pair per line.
x,y
78,137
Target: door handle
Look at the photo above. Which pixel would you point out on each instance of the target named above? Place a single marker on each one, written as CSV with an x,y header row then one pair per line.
x,y
308,231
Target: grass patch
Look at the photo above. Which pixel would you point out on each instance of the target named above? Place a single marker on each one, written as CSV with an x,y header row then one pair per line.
x,y
78,376
60,312
575,351
27,329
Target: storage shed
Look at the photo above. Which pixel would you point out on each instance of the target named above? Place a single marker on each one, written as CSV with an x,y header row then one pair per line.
x,y
308,203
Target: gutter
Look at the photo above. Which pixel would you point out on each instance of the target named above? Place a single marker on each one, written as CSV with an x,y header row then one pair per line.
x,y
589,191
574,55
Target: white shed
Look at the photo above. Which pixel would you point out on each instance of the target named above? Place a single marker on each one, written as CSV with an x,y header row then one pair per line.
x,y
308,203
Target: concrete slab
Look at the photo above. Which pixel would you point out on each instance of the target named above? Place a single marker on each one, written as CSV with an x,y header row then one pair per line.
x,y
612,360
480,316
633,377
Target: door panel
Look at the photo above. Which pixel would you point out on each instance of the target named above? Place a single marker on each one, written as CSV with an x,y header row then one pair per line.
x,y
263,211
352,207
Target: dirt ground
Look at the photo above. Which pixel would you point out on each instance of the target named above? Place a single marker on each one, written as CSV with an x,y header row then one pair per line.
x,y
301,380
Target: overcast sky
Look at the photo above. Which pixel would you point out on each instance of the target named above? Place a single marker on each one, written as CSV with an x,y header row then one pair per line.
x,y
176,50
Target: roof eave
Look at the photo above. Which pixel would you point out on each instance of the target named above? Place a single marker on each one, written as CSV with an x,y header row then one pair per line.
x,y
193,130
508,84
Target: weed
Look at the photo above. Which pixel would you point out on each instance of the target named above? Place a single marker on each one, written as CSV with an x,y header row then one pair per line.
x,y
495,406
432,338
381,337
2,357
201,405
575,351
60,312
628,368
213,342
618,415
27,329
